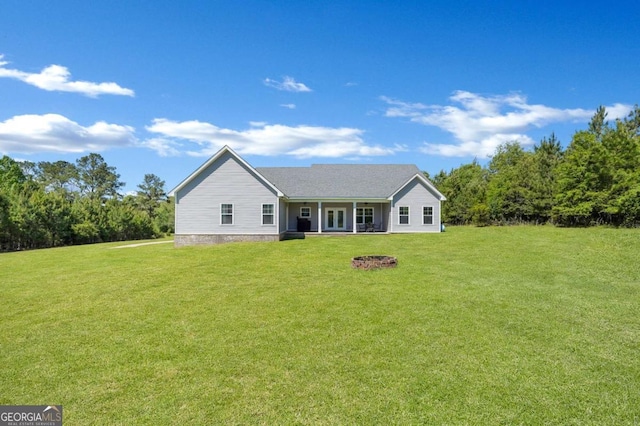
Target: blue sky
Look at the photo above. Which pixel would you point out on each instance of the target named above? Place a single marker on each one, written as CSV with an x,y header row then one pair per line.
x,y
159,86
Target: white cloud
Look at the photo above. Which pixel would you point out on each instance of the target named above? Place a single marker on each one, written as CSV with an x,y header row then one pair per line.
x,y
618,111
482,149
289,106
56,78
481,123
164,147
28,134
263,139
288,84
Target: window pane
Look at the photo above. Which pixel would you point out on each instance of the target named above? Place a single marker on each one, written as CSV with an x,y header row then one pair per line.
x,y
427,215
364,215
226,214
368,217
267,214
403,215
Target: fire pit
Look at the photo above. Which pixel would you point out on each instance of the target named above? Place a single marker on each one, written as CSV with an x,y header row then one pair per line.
x,y
373,262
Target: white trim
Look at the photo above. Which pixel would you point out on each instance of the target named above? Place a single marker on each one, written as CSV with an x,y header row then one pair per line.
x,y
354,207
433,222
373,214
408,215
305,207
347,200
335,210
426,182
227,214
215,157
272,214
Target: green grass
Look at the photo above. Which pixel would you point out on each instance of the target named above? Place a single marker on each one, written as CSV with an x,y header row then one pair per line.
x,y
514,325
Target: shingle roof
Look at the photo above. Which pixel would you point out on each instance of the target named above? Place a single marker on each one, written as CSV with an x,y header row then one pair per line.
x,y
340,180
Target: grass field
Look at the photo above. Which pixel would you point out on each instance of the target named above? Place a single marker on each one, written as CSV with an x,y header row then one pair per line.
x,y
513,325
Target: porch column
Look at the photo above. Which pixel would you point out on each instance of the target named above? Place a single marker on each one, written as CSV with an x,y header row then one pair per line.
x,y
354,217
319,217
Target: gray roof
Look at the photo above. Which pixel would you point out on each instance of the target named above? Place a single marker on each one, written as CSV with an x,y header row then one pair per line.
x,y
340,180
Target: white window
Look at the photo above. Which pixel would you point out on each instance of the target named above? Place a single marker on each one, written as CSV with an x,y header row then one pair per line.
x,y
364,215
403,215
226,214
305,211
427,215
268,214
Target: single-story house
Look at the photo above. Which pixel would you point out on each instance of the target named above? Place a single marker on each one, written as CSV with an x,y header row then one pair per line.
x,y
226,199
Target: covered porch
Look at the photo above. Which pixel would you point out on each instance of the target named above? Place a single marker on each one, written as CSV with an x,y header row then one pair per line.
x,y
338,216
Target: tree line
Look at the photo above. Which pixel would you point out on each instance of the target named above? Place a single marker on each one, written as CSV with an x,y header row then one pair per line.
x,y
594,181
51,204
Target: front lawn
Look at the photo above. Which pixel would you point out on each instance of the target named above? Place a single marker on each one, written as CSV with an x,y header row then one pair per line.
x,y
513,325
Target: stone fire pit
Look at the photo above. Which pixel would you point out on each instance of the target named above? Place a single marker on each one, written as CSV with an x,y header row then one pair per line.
x,y
373,262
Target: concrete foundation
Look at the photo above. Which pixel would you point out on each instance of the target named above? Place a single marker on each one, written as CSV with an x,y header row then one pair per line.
x,y
194,239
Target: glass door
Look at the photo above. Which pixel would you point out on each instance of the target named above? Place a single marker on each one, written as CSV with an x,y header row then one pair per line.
x,y
335,219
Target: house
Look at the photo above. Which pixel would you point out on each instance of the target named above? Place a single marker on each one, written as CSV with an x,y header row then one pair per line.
x,y
226,199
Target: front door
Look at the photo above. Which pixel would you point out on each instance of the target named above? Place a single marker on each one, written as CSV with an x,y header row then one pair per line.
x,y
335,219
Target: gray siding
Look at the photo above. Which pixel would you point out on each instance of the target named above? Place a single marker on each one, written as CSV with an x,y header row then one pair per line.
x,y
338,205
226,181
386,217
294,213
282,216
415,195
380,214
380,218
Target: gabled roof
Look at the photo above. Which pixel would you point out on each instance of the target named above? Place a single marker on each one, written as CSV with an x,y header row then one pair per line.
x,y
329,181
337,181
427,183
216,156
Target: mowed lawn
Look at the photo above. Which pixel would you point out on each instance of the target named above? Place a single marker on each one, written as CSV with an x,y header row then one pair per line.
x,y
501,325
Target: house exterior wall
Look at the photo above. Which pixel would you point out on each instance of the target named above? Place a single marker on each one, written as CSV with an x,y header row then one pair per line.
x,y
282,216
294,213
380,214
414,195
225,181
386,216
348,207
